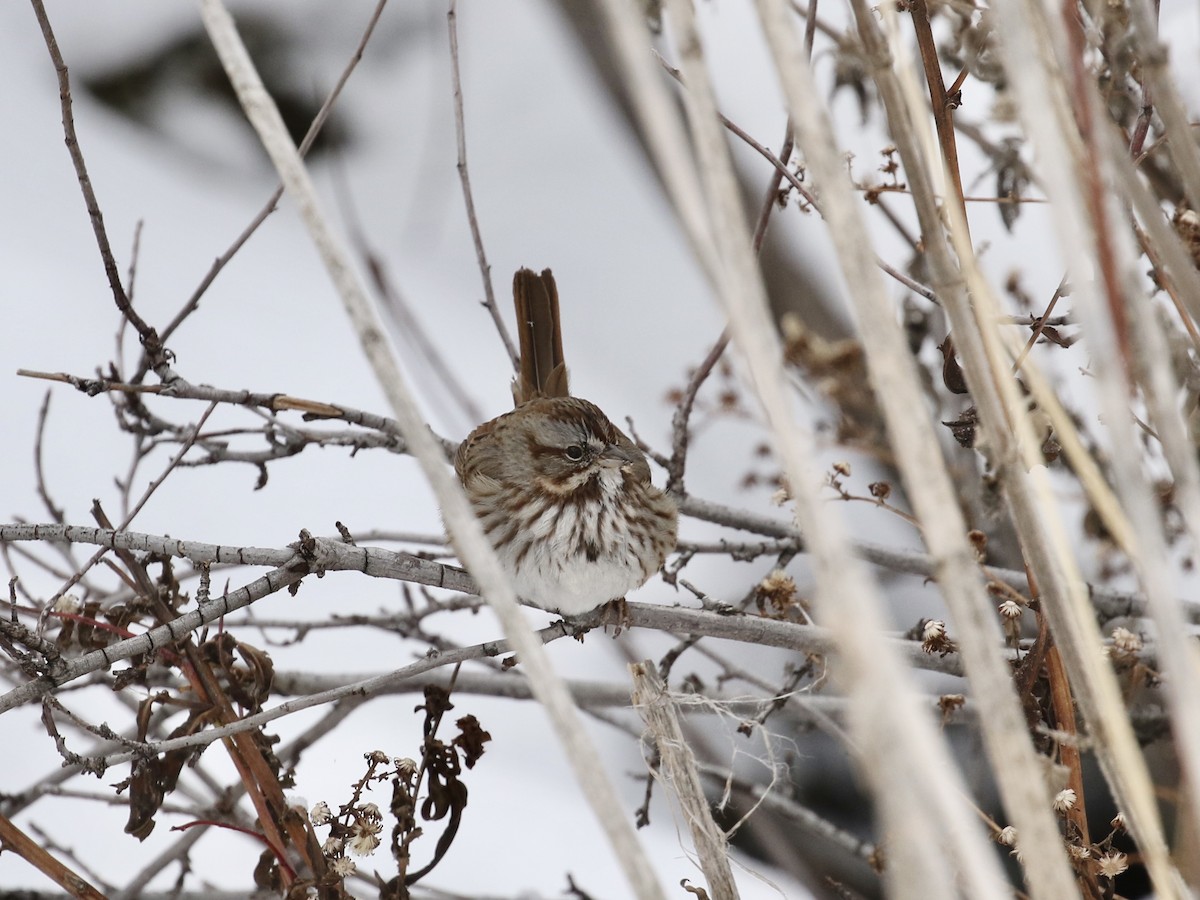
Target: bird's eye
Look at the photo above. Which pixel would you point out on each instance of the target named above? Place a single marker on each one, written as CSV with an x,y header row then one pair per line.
x,y
574,453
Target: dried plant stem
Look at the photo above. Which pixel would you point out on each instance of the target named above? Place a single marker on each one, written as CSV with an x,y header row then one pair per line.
x,y
1066,605
939,97
466,531
683,410
1180,269
678,766
920,809
917,452
1033,46
666,138
14,839
1069,755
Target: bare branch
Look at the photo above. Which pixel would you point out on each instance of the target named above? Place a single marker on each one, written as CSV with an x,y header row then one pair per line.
x,y
460,134
149,337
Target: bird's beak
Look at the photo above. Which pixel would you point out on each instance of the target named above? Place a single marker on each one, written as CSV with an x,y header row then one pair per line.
x,y
617,457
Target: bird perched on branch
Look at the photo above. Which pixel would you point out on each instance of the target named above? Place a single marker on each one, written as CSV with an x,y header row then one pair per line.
x,y
564,495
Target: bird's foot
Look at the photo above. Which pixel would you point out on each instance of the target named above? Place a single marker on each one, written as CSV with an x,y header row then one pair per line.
x,y
616,614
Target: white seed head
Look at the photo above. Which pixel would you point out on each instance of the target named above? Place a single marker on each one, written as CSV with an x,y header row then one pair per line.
x,y
1112,864
343,866
1011,609
370,811
320,814
1064,800
1126,641
365,840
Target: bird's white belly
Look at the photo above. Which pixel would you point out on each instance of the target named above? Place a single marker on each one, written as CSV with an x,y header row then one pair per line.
x,y
555,575
580,586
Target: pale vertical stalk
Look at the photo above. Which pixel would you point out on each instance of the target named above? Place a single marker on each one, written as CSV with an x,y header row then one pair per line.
x,y
1065,600
666,137
1040,527
1082,239
1046,113
1174,257
1049,551
677,766
1159,384
466,532
927,483
936,846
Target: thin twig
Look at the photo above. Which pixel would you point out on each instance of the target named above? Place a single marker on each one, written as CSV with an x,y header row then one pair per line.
x,y
795,183
1042,321
943,114
460,136
310,136
443,376
179,388
55,511
125,522
147,334
683,414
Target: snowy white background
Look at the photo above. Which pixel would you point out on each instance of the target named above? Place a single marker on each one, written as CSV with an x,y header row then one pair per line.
x,y
558,182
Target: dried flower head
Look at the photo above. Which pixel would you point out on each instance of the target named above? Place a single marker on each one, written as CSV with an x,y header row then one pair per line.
x,y
1118,821
1187,226
370,811
1064,800
320,814
1011,609
949,704
1112,864
776,593
365,838
332,846
376,756
1007,836
1125,642
933,638
343,867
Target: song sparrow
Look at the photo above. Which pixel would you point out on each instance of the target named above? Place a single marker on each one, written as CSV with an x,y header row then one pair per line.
x,y
564,496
